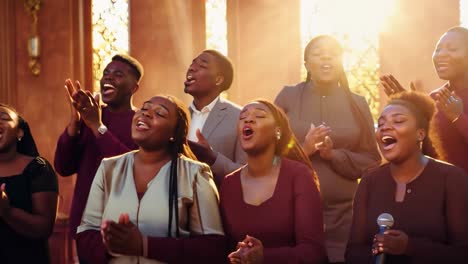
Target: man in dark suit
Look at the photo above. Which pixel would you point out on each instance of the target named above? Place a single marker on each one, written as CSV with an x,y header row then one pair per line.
x,y
212,132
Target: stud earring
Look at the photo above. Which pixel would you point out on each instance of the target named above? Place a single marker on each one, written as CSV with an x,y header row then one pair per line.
x,y
171,139
19,139
278,135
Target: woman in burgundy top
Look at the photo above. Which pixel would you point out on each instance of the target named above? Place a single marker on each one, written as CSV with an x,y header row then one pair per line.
x,y
426,197
272,206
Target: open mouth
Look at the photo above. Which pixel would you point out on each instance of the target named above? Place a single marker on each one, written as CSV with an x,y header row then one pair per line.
x,y
142,125
190,80
108,88
388,142
326,67
441,66
247,132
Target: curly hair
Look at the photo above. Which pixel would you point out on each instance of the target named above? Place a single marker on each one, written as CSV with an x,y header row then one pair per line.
x,y
423,108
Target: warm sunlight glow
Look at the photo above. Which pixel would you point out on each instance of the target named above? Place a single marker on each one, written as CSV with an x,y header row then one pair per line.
x,y
464,13
110,33
216,26
356,24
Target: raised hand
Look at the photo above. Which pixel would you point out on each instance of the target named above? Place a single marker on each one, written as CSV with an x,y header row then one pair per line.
x,y
392,86
88,107
449,103
73,126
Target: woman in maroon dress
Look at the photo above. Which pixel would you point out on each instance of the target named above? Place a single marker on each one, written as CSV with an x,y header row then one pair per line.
x,y
426,197
272,206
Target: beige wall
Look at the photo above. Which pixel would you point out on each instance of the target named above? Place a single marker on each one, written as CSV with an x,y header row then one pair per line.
x,y
165,36
264,44
406,48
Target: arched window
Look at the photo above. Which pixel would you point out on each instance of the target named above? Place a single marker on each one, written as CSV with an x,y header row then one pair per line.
x,y
216,26
110,20
464,13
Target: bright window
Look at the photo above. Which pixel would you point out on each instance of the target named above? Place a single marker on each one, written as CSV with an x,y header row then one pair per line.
x,y
356,24
110,33
216,25
464,13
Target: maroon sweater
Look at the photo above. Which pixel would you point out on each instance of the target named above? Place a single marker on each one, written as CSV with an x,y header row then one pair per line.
x,y
289,224
454,136
83,153
433,214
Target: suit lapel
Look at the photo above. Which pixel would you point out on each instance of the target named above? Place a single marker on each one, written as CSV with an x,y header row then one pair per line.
x,y
214,118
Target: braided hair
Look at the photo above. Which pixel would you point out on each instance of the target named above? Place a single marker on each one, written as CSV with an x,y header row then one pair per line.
x,y
176,148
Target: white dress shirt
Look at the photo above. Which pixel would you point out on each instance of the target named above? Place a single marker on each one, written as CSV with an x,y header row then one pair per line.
x,y
199,119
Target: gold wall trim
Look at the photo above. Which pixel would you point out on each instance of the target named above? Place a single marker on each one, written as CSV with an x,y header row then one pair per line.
x,y
8,92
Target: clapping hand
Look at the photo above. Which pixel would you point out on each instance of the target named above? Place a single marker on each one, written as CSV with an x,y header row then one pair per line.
x,y
326,148
315,136
85,106
116,237
449,103
202,149
250,251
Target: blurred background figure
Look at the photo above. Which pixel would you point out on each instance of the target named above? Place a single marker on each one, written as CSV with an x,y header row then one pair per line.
x,y
336,129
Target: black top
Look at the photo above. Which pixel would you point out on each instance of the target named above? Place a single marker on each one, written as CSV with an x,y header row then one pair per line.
x,y
38,176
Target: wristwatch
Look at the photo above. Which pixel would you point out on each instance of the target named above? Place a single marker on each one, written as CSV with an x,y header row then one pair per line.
x,y
102,129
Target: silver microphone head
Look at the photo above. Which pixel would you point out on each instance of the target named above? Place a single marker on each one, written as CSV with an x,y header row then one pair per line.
x,y
385,220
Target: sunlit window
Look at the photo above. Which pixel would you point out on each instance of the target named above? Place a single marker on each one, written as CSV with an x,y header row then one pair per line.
x,y
216,25
464,13
356,24
110,33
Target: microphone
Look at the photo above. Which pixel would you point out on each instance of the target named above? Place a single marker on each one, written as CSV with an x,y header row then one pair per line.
x,y
385,222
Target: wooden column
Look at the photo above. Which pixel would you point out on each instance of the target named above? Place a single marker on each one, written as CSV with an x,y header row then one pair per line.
x,y
7,52
165,36
265,46
407,45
